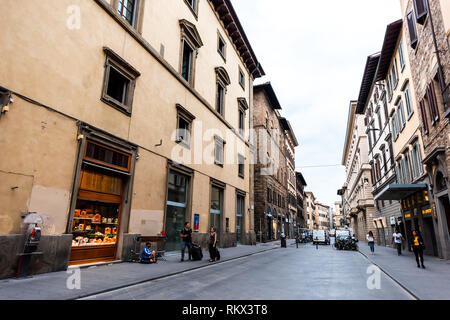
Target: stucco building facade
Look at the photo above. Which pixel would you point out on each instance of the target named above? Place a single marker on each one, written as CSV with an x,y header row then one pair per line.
x,y
112,128
357,190
427,39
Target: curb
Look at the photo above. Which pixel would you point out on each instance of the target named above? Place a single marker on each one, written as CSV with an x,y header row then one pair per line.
x,y
391,277
167,275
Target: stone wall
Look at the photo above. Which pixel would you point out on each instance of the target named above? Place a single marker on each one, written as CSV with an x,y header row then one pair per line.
x,y
55,257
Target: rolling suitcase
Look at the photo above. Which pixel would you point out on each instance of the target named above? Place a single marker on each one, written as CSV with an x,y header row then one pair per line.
x,y
197,253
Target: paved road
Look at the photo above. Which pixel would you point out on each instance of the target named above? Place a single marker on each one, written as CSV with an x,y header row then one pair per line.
x,y
283,274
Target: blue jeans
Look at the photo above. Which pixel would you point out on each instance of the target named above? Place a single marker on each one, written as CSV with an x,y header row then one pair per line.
x,y
183,248
372,246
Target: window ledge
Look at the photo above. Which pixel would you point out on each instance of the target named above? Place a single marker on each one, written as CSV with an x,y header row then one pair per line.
x,y
116,105
184,144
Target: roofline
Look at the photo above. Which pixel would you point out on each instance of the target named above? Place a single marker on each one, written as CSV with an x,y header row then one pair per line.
x,y
299,174
267,87
367,81
350,121
393,32
231,23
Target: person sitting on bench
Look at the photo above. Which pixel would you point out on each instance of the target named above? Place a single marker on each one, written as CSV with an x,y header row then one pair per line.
x,y
148,255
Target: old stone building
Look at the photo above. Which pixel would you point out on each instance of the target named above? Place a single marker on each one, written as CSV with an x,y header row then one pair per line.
x,y
398,94
113,129
375,94
301,202
427,46
289,150
357,189
271,190
338,215
323,216
310,210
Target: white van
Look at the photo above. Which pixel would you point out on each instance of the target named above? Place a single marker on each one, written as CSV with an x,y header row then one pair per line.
x,y
320,237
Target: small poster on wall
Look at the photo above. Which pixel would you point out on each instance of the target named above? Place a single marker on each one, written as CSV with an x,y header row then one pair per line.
x,y
196,222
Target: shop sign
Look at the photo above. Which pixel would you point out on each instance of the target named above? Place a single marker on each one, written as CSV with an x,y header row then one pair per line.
x,y
392,221
196,222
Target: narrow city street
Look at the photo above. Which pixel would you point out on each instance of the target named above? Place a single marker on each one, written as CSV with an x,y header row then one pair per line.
x,y
305,273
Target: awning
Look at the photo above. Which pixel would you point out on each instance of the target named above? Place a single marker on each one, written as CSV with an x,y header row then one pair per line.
x,y
399,191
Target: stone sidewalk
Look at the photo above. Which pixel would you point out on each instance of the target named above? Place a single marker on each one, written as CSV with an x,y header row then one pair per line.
x,y
98,279
432,283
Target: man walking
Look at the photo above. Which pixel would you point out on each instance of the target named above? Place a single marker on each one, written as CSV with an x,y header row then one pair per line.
x,y
397,238
186,235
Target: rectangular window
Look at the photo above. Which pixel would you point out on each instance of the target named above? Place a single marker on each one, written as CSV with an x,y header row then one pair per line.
x,y
184,125
219,151
127,10
414,162
424,116
394,74
106,156
216,208
407,168
240,209
413,38
241,164
421,9
241,78
187,58
220,98
401,113
432,102
241,121
400,55
221,47
119,82
409,109
419,158
193,6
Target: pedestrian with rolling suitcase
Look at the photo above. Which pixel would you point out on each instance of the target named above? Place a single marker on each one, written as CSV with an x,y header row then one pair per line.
x,y
197,253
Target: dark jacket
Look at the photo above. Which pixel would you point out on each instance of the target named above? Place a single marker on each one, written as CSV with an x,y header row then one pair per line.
x,y
421,243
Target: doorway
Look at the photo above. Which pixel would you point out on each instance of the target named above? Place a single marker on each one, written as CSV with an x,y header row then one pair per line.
x,y
444,201
177,204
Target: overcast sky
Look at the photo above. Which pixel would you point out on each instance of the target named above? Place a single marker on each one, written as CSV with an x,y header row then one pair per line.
x,y
314,54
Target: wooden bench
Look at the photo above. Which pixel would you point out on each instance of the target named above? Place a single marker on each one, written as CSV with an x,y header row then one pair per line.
x,y
160,249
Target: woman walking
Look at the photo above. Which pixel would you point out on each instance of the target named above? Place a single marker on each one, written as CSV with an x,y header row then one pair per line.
x,y
371,241
417,247
212,244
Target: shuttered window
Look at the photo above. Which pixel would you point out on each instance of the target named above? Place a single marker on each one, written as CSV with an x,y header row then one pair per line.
x,y
424,116
432,103
412,30
421,9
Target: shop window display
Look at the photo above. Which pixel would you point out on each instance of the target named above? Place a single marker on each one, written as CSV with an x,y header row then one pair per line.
x,y
95,223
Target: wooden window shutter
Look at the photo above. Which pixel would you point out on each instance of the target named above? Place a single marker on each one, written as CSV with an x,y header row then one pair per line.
x,y
412,30
432,100
421,9
424,116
